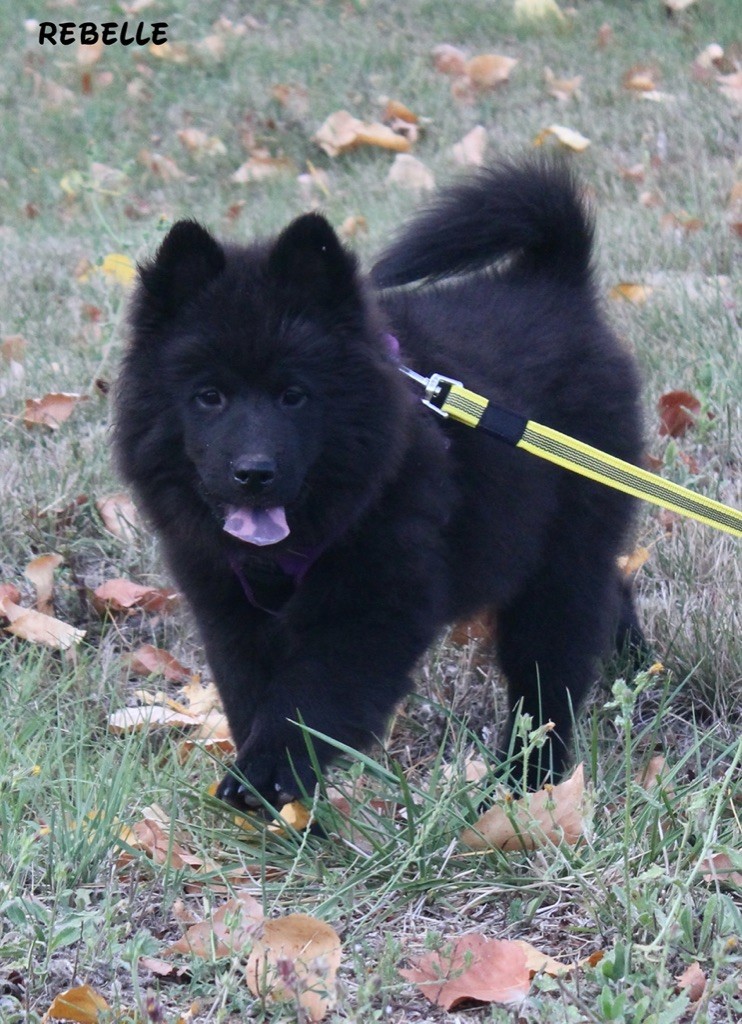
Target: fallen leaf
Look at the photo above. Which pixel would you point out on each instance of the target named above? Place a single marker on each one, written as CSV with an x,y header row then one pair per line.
x,y
692,981
648,777
540,963
677,5
41,573
118,267
719,867
227,932
631,291
120,595
480,628
28,624
296,960
488,70
567,137
678,412
261,166
82,1004
604,37
469,151
171,53
734,209
731,87
552,815
472,968
89,54
537,10
631,564
409,172
709,57
155,838
149,660
353,225
13,348
449,60
562,89
293,98
51,410
396,111
641,78
119,515
152,716
161,166
200,143
162,968
682,222
8,592
342,132
636,173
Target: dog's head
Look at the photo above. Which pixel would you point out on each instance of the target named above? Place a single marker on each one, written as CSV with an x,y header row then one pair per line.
x,y
256,377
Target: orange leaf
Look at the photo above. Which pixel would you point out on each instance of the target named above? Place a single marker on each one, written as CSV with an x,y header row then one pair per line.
x,y
567,137
678,411
554,814
692,981
82,1004
148,660
630,564
260,167
449,60
119,515
28,624
296,959
51,410
538,962
641,78
228,931
488,70
630,291
41,573
121,595
473,968
342,132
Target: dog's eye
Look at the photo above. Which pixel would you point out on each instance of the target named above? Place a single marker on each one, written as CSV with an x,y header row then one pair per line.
x,y
210,398
293,397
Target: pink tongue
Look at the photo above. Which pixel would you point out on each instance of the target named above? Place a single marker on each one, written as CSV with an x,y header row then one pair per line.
x,y
256,525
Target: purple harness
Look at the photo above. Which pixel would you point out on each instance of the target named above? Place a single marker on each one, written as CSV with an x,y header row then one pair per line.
x,y
296,564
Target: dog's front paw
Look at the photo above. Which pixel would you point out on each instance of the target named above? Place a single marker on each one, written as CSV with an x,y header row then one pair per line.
x,y
269,766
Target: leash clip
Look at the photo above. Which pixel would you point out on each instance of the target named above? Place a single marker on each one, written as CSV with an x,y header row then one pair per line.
x,y
433,386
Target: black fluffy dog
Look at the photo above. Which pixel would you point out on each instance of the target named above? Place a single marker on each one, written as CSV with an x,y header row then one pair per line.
x,y
322,523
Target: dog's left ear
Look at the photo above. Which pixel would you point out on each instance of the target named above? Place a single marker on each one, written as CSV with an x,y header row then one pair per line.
x,y
308,261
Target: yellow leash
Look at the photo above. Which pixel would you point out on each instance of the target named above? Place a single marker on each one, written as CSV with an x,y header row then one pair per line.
x,y
450,398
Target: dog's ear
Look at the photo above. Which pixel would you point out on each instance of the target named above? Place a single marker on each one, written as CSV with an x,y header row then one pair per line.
x,y
188,259
310,265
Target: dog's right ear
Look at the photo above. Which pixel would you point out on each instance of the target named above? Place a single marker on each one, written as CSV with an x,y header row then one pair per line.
x,y
188,259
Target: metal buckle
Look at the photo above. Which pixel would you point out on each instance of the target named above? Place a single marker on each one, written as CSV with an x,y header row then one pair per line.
x,y
432,386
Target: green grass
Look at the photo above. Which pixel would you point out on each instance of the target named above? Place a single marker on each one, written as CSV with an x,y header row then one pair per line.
x,y
397,883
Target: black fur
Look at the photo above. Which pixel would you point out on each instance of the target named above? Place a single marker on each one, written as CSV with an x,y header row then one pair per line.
x,y
260,377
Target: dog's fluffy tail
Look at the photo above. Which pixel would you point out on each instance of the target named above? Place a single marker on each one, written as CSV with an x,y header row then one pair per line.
x,y
530,212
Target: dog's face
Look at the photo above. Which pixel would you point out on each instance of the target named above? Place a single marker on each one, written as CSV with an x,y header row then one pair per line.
x,y
261,360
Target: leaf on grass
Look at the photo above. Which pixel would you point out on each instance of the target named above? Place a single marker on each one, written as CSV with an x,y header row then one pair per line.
x,y
631,564
409,172
41,573
472,969
82,1004
488,70
260,167
734,209
631,291
641,78
692,981
119,268
396,111
8,592
13,348
719,867
567,137
171,53
229,931
120,516
537,10
148,660
296,960
160,165
51,410
200,143
480,628
28,624
554,814
541,963
562,89
152,716
342,132
449,60
155,838
731,87
163,969
122,595
649,776
678,412
469,151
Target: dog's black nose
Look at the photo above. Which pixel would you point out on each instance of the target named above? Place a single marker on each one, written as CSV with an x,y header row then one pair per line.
x,y
254,475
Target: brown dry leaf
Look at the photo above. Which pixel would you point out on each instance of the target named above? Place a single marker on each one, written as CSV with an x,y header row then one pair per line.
x,y
200,143
562,89
120,516
154,837
355,224
153,716
472,968
342,132
474,769
488,70
409,172
261,166
162,968
213,46
449,60
396,111
293,98
631,291
232,928
538,962
537,10
719,867
51,410
731,87
636,173
678,412
89,54
122,595
681,221
630,564
161,166
554,814
41,573
480,628
469,151
13,348
641,78
82,1004
567,137
692,981
296,960
149,660
9,592
28,624
648,778
171,53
